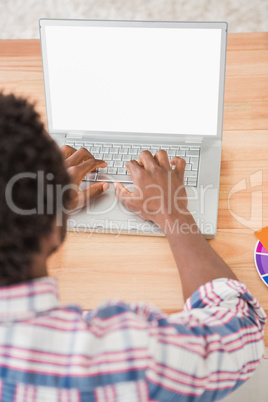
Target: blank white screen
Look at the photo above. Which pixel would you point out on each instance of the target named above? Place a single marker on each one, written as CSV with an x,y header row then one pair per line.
x,y
138,80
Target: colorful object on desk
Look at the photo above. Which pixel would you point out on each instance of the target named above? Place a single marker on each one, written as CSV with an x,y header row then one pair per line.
x,y
261,254
262,235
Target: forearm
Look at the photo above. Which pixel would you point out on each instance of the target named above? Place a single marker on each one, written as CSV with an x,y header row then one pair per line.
x,y
197,262
164,200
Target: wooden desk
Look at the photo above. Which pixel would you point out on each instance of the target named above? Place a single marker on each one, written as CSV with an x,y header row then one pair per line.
x,y
92,268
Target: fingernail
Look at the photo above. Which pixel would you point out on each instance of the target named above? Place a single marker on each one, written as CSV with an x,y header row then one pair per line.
x,y
115,184
105,186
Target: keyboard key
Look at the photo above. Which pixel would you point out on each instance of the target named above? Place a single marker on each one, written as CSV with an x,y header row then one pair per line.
x,y
136,146
89,144
122,171
192,183
118,164
194,162
103,170
114,150
107,145
192,153
184,148
134,157
180,153
188,166
124,178
124,151
190,173
95,150
133,151
98,156
110,163
104,150
126,158
195,148
79,144
71,144
90,177
171,152
117,157
112,170
108,157
186,158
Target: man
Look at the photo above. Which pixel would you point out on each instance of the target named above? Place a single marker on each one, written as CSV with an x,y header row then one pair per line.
x,y
117,352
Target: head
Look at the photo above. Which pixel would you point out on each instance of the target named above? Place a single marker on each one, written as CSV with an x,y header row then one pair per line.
x,y
31,169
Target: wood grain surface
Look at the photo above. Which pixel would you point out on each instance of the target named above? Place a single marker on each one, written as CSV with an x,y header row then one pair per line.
x,y
94,267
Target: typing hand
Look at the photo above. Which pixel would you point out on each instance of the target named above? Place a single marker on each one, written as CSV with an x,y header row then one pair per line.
x,y
79,163
159,191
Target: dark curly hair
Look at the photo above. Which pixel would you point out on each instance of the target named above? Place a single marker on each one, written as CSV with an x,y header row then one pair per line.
x,y
25,147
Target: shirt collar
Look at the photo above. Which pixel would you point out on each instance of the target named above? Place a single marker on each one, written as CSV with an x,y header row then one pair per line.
x,y
27,299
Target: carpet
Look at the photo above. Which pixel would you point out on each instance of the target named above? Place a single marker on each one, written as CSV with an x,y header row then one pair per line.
x,y
19,18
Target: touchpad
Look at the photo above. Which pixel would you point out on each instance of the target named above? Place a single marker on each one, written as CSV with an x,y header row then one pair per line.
x,y
108,206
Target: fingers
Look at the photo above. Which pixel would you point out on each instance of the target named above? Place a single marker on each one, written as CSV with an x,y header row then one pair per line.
x,y
67,151
79,156
90,165
124,195
147,160
95,190
83,197
134,168
162,159
78,172
179,164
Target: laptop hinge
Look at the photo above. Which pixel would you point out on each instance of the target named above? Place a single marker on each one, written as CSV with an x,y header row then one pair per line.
x,y
80,136
73,135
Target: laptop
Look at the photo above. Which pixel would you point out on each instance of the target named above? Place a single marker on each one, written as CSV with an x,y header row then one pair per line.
x,y
120,87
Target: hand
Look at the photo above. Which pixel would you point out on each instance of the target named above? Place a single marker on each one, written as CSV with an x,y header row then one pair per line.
x,y
79,163
159,191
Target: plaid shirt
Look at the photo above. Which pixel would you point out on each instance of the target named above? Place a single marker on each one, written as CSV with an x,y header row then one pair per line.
x,y
127,353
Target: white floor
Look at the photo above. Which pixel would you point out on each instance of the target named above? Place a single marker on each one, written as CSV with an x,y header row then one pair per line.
x,y
19,18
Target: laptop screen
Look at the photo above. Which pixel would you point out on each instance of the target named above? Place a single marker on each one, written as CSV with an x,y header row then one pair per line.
x,y
133,79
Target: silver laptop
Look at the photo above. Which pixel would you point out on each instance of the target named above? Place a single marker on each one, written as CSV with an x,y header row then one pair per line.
x,y
120,87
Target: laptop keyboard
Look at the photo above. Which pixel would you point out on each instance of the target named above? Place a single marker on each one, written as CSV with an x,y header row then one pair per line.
x,y
118,154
